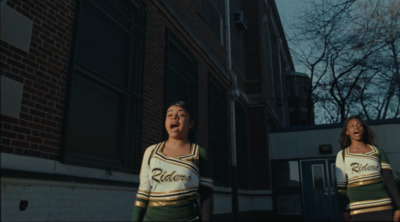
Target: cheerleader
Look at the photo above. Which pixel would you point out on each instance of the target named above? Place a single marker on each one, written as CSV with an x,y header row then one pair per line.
x,y
366,189
175,174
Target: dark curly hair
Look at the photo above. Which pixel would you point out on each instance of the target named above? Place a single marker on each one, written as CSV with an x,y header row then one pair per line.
x,y
183,105
369,136
189,109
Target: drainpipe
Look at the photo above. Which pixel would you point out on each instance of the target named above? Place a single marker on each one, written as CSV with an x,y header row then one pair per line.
x,y
233,96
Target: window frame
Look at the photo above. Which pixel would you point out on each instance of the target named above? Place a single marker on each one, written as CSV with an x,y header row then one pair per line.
x,y
128,159
175,70
224,179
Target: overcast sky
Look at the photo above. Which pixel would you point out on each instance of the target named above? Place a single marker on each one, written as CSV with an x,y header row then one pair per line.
x,y
288,10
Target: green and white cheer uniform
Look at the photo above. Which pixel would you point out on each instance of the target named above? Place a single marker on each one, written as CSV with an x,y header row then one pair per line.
x,y
359,181
169,186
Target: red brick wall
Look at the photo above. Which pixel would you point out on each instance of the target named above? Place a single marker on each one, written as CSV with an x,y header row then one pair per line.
x,y
43,71
153,104
253,47
258,133
159,20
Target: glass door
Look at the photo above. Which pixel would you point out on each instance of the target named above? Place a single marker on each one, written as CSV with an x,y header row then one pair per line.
x,y
318,190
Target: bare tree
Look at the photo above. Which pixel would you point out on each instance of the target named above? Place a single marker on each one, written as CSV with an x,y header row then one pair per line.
x,y
350,49
381,19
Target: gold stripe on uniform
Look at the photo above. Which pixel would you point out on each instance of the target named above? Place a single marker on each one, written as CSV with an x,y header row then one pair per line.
x,y
168,203
144,191
364,182
368,210
176,191
382,201
174,198
140,204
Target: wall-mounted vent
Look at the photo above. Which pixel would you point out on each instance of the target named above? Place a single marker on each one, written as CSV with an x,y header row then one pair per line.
x,y
240,20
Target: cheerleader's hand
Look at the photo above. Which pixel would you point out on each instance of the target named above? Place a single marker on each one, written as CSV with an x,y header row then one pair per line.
x,y
396,216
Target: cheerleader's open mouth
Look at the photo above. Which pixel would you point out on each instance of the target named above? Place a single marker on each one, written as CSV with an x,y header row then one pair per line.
x,y
174,127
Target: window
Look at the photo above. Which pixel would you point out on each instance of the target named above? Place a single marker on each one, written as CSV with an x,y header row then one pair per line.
x,y
241,146
181,79
271,42
213,16
287,187
218,132
318,177
267,45
105,93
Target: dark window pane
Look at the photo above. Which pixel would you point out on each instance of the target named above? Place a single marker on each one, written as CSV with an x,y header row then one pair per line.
x,y
181,80
241,146
213,16
96,117
100,42
218,132
318,177
177,87
105,101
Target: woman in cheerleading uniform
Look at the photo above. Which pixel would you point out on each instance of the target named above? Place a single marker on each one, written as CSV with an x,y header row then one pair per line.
x,y
175,174
366,189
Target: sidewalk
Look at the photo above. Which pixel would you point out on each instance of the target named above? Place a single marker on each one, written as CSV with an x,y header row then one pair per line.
x,y
255,216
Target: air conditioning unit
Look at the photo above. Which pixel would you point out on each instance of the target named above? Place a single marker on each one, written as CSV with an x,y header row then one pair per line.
x,y
240,20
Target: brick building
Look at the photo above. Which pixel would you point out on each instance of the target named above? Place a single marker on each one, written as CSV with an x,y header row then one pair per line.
x,y
84,86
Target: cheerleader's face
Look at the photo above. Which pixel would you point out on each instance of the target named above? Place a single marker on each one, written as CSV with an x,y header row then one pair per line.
x,y
355,130
177,122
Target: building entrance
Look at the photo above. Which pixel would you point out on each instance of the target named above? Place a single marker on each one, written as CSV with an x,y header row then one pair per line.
x,y
318,190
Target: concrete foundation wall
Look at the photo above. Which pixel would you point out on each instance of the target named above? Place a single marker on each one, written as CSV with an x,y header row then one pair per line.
x,y
64,201
52,191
